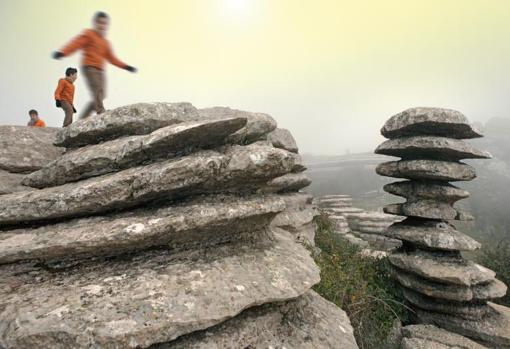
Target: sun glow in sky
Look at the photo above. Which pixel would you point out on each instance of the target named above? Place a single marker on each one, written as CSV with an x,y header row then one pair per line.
x,y
331,71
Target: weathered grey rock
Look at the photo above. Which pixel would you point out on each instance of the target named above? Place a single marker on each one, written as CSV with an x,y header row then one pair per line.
x,y
428,209
123,153
134,119
466,310
427,170
282,138
433,335
418,343
344,210
308,322
208,221
286,183
379,242
492,331
430,147
297,218
480,292
432,234
446,269
429,121
25,149
236,169
11,182
148,298
257,126
439,191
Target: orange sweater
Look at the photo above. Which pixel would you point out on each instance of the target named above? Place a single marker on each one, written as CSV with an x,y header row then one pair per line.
x,y
96,49
38,123
64,91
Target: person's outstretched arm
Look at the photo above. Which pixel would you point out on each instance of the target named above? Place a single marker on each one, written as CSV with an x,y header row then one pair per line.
x,y
73,45
110,56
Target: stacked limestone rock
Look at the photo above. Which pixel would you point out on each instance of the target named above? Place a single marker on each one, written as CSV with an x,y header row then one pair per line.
x,y
359,227
176,231
370,227
443,287
334,206
24,150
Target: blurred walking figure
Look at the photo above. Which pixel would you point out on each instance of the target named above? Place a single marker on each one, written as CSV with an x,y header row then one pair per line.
x,y
64,95
96,52
34,119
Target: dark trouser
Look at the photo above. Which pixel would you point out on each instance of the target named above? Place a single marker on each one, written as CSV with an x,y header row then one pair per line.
x,y
68,110
95,79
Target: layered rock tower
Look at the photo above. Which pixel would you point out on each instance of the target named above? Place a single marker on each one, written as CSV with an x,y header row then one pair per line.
x,y
164,226
443,288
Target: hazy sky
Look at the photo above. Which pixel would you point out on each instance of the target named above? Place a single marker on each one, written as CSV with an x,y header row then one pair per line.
x,y
331,71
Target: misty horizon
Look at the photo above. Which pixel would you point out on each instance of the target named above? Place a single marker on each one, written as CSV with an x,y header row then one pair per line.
x,y
330,72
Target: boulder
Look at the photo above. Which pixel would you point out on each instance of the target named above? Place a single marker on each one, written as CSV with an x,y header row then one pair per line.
x,y
430,209
436,338
257,127
429,121
492,330
432,234
429,147
134,119
235,169
442,268
480,292
427,170
282,138
208,221
11,182
439,191
123,153
287,183
466,310
150,297
25,149
307,322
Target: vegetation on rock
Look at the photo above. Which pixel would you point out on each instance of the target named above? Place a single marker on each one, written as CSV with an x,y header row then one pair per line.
x,y
359,285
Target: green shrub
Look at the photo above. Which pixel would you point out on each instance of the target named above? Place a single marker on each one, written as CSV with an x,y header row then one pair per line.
x,y
359,285
497,258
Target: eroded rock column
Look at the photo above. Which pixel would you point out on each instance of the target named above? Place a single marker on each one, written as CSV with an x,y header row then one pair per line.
x,y
443,288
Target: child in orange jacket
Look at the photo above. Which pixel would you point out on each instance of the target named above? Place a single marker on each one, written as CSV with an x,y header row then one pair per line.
x,y
97,51
64,95
34,119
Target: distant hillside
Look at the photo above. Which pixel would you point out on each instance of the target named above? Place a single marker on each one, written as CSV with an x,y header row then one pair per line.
x,y
354,174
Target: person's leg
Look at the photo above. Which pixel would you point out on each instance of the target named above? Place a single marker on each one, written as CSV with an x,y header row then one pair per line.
x,y
68,110
89,79
99,80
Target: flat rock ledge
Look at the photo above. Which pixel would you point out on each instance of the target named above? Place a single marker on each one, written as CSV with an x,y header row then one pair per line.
x,y
492,331
427,170
134,119
123,153
432,337
479,292
205,222
430,121
308,322
164,296
449,270
206,172
25,149
429,147
433,234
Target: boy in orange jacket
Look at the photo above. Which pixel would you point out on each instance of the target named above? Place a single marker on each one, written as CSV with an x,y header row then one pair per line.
x,y
96,50
35,121
64,95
